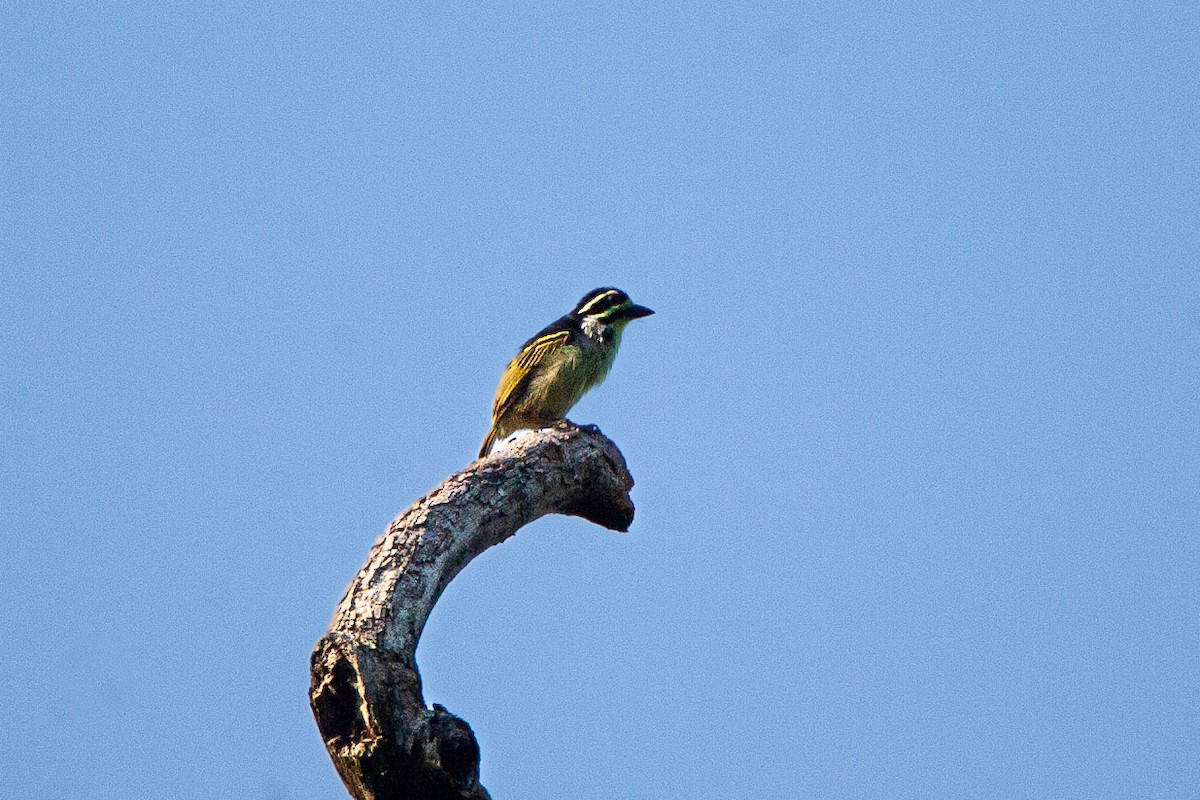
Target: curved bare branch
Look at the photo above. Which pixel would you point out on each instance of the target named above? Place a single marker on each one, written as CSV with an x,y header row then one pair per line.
x,y
366,690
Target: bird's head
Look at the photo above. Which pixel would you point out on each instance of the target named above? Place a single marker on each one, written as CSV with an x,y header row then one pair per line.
x,y
608,306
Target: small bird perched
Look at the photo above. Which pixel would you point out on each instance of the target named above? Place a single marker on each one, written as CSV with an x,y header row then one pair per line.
x,y
561,363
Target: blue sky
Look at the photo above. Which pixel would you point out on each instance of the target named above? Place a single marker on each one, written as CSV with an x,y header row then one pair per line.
x,y
916,429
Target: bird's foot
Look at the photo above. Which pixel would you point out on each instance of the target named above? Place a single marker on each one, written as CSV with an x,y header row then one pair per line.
x,y
587,428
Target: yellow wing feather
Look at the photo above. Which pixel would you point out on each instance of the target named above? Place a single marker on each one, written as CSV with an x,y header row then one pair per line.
x,y
519,368
515,374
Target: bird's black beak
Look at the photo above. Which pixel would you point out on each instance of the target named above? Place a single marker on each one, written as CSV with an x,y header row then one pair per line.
x,y
635,312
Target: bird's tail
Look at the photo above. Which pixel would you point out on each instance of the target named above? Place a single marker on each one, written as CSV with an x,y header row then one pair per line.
x,y
488,442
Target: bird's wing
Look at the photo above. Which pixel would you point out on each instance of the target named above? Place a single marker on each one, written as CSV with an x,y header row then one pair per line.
x,y
521,368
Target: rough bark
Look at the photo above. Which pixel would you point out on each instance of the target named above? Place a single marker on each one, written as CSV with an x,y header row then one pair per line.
x,y
366,691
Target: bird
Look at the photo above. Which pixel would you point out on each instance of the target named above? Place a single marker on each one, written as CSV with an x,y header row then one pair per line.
x,y
561,363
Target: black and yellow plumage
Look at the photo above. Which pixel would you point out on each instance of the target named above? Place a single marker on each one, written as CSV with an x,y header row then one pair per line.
x,y
561,363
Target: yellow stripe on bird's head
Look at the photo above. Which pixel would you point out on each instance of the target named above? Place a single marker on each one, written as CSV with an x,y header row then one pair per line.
x,y
608,305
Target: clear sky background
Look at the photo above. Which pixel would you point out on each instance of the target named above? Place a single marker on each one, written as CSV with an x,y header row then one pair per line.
x,y
916,429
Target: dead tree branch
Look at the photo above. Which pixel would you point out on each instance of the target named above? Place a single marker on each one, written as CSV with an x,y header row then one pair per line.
x,y
366,691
